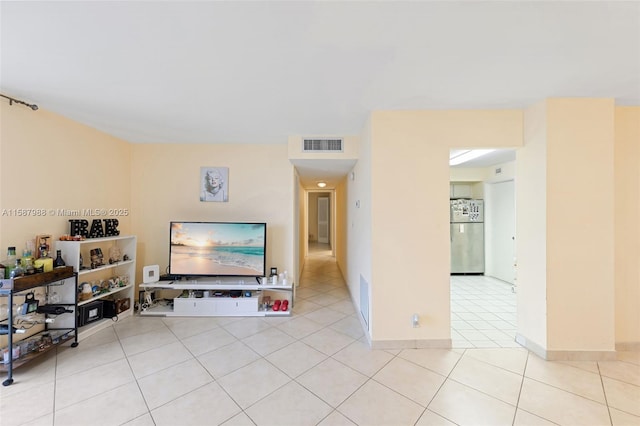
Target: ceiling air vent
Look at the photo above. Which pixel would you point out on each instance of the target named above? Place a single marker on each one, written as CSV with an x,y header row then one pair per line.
x,y
322,145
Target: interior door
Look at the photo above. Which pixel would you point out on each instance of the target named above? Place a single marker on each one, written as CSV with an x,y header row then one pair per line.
x,y
323,220
503,231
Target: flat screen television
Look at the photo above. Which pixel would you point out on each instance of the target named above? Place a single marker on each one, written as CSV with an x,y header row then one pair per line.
x,y
216,249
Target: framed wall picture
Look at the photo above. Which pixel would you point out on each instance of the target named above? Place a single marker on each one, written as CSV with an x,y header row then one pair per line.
x,y
214,184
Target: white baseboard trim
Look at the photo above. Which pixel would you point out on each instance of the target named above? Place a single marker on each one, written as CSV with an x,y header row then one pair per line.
x,y
565,355
412,344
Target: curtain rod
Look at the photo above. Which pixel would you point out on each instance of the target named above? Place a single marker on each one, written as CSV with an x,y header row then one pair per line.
x,y
12,100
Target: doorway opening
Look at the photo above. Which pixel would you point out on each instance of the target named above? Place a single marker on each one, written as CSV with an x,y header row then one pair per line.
x,y
482,224
320,222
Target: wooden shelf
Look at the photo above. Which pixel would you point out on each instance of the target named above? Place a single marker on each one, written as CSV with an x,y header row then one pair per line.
x,y
36,280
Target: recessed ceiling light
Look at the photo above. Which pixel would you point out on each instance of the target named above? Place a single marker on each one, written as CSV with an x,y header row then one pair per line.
x,y
468,156
321,184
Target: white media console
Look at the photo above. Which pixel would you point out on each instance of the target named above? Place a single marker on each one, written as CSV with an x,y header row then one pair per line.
x,y
224,297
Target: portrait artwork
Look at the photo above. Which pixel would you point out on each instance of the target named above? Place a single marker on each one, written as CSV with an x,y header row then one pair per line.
x,y
214,183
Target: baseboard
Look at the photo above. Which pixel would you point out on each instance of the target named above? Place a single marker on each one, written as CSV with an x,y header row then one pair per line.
x,y
565,355
628,346
412,344
531,346
581,355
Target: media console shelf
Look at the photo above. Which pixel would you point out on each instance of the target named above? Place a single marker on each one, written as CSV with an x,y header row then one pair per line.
x,y
213,298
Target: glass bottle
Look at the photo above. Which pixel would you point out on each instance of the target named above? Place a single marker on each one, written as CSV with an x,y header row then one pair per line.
x,y
58,262
10,262
17,270
28,266
27,262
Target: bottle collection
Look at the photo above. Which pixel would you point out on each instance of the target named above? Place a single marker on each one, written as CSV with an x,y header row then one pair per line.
x,y
14,267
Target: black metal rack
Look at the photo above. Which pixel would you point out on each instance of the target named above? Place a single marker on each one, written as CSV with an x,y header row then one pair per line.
x,y
56,335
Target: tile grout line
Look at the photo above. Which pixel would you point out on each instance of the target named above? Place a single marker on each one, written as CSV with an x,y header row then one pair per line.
x,y
126,357
524,371
441,385
604,393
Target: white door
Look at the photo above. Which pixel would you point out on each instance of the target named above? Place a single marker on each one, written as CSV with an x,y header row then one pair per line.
x,y
503,230
323,220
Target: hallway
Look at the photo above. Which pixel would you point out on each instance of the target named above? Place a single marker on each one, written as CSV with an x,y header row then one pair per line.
x,y
313,368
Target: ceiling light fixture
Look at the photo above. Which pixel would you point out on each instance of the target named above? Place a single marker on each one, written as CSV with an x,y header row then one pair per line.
x,y
468,156
12,100
321,184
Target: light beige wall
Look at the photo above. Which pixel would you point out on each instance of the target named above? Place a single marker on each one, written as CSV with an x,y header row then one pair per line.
x,y
49,162
580,224
627,228
312,217
531,227
359,227
410,215
165,187
341,229
302,228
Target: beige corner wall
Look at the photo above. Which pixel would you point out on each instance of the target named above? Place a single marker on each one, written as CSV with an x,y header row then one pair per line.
x,y
165,187
565,228
410,214
358,209
627,229
531,226
51,163
580,224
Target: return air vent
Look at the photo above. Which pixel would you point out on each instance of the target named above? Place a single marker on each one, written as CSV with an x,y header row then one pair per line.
x,y
322,145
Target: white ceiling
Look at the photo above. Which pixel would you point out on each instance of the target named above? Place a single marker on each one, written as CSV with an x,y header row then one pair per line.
x,y
257,72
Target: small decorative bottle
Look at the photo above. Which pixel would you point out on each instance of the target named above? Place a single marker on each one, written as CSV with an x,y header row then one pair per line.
x,y
10,262
28,266
17,271
58,262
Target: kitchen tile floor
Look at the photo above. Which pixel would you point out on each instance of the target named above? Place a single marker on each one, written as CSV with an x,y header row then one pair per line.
x,y
483,312
313,368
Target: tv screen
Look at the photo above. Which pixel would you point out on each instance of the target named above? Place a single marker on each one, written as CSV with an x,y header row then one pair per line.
x,y
218,249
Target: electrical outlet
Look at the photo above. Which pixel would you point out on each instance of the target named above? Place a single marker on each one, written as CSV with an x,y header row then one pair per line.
x,y
415,321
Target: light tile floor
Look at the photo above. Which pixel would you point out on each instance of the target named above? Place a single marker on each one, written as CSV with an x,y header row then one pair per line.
x,y
312,368
483,312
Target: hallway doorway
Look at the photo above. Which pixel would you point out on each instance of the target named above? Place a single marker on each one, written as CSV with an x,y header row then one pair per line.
x,y
320,220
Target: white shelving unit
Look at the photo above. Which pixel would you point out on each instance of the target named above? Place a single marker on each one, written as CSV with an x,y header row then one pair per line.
x,y
213,306
71,251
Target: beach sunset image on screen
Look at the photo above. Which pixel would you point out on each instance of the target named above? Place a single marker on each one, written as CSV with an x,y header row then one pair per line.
x,y
217,249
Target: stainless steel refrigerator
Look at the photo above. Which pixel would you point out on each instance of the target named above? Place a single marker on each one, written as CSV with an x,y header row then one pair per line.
x,y
467,236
